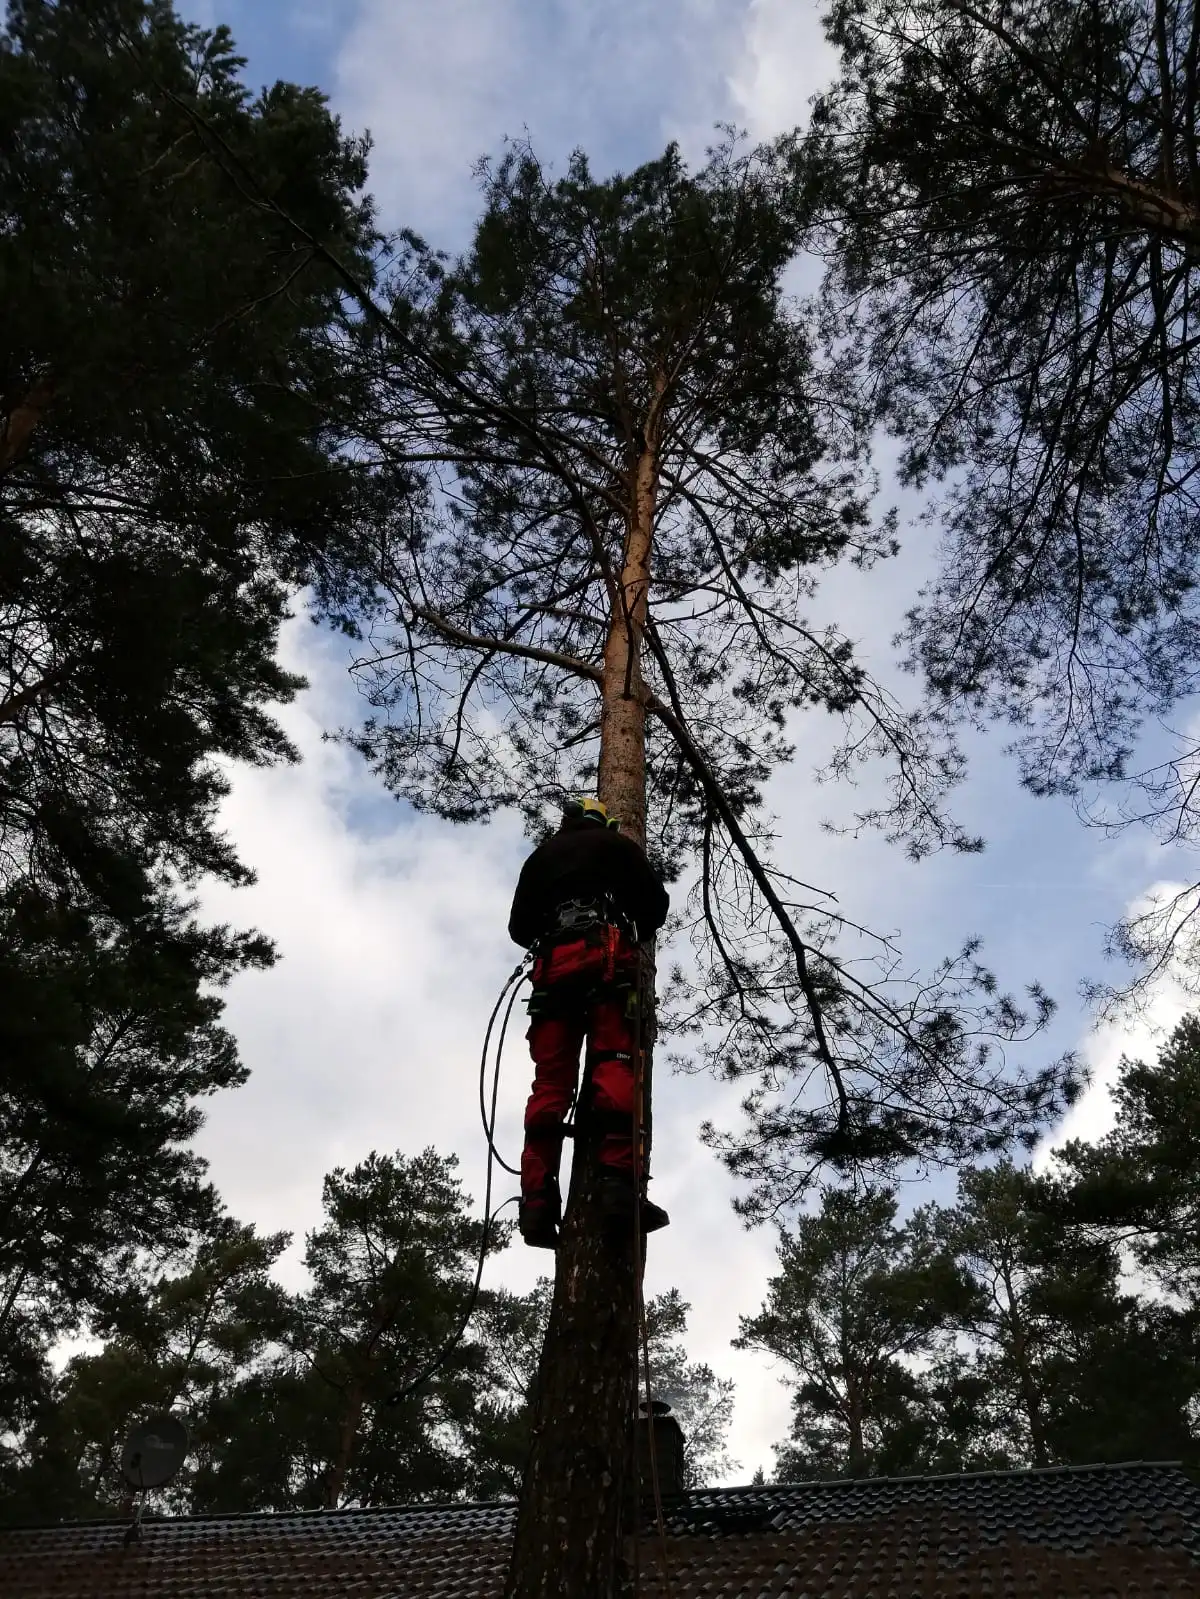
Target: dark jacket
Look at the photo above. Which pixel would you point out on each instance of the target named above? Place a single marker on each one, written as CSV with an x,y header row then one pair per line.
x,y
586,861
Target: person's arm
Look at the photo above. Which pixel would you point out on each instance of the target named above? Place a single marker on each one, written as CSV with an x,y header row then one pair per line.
x,y
523,918
648,896
658,901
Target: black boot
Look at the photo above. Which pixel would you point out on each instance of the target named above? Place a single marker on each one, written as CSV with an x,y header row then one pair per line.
x,y
616,1202
538,1217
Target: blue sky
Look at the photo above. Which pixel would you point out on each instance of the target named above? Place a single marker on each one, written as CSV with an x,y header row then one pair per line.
x,y
391,927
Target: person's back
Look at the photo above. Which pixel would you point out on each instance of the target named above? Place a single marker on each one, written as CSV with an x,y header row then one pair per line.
x,y
584,861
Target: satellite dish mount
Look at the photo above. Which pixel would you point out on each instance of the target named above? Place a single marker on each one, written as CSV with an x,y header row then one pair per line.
x,y
153,1453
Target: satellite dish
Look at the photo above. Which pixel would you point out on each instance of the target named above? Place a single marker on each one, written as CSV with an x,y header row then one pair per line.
x,y
657,1407
154,1451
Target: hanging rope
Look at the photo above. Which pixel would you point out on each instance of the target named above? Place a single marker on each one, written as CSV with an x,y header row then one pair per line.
x,y
658,1504
489,1123
641,1334
493,1158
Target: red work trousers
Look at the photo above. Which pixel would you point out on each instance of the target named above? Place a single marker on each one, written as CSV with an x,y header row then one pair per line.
x,y
582,988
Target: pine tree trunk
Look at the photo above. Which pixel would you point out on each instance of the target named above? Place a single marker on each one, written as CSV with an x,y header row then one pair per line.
x,y
339,1466
1030,1397
569,1531
622,775
856,1456
17,427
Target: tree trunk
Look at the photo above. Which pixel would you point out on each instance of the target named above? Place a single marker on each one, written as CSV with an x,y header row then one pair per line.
x,y
856,1455
1032,1402
13,706
569,1531
1030,1397
20,422
622,773
339,1466
22,1182
11,1300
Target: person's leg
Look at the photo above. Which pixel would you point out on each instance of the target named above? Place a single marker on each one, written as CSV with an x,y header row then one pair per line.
x,y
612,1042
554,1043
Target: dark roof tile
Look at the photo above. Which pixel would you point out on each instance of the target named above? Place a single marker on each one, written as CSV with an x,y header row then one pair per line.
x,y
1086,1533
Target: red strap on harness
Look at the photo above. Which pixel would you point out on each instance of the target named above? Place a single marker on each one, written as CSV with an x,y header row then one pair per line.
x,y
612,940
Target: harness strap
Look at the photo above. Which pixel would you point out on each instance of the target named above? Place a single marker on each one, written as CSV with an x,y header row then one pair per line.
x,y
567,998
588,916
596,1120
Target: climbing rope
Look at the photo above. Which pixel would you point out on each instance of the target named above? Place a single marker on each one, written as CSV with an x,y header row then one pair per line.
x,y
489,1124
654,1482
641,1334
494,1158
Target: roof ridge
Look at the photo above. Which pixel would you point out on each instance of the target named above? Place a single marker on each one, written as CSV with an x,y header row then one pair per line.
x,y
156,1518
944,1476
734,1490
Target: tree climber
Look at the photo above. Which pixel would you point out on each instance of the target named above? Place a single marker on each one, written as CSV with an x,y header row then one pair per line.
x,y
584,901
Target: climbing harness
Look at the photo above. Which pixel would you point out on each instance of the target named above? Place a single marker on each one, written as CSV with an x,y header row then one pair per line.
x,y
565,975
591,956
581,914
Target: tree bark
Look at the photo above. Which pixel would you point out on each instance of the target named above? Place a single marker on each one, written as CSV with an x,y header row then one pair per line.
x,y
22,1182
569,1533
622,768
20,422
13,706
856,1454
339,1466
1030,1397
11,1300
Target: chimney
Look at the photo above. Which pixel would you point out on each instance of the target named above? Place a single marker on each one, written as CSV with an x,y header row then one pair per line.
x,y
668,1450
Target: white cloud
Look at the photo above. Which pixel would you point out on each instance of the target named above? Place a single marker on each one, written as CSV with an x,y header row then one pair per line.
x,y
392,945
315,18
439,87
786,60
430,84
1138,1035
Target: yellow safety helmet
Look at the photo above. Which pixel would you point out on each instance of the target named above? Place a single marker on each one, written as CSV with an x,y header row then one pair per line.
x,y
590,809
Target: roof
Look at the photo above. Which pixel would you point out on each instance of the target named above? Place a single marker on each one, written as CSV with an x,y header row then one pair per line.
x,y
1096,1532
